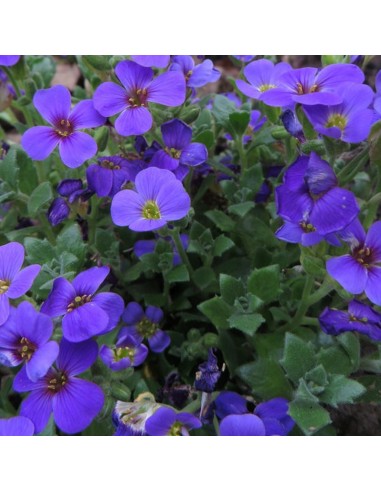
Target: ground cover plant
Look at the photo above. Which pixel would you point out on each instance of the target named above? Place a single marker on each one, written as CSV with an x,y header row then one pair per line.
x,y
190,245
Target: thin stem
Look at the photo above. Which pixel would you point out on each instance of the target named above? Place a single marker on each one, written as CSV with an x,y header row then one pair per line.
x,y
242,154
304,304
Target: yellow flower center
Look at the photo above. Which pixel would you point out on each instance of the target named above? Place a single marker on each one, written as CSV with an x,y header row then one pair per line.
x,y
266,87
146,328
176,429
64,128
4,286
78,301
173,152
151,210
123,352
138,98
338,120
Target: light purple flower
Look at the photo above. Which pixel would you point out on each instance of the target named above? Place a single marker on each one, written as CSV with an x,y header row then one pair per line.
x,y
74,402
14,282
195,75
24,338
158,199
159,61
75,146
16,426
9,60
85,313
131,100
166,422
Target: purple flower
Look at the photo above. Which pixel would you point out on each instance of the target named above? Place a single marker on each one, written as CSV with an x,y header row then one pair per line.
x,y
58,211
127,353
16,426
350,120
142,325
262,75
130,417
75,147
159,61
178,150
377,100
139,89
108,176
144,150
310,86
158,199
208,374
13,282
166,422
274,415
9,60
244,58
74,402
304,233
24,338
73,191
242,425
195,75
359,317
310,195
361,269
292,125
85,313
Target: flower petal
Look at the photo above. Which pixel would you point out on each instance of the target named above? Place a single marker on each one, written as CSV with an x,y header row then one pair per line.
x,y
133,76
77,148
75,358
61,295
53,104
99,179
110,99
89,281
162,160
133,313
4,308
159,341
159,61
39,142
84,115
242,425
173,201
167,89
204,73
349,273
37,407
84,322
23,281
16,426
126,207
11,260
113,305
159,424
194,154
133,121
42,360
373,286
176,134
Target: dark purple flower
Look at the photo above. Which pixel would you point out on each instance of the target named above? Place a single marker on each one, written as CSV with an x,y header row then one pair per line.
x,y
146,246
16,426
350,120
242,425
24,338
292,124
229,402
85,313
262,75
75,147
74,402
166,422
68,187
208,374
142,325
158,199
13,282
274,415
195,75
139,89
304,233
360,270
58,211
127,353
359,317
108,176
9,60
309,86
159,61
144,150
178,150
310,195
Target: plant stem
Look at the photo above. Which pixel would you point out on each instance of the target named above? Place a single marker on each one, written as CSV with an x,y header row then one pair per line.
x,y
242,154
304,304
175,233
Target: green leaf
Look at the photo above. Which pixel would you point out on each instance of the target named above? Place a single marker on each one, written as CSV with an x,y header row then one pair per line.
x,y
304,392
222,108
206,137
9,169
39,250
70,240
99,62
351,345
308,415
241,209
40,196
248,323
341,390
239,121
28,181
221,245
298,357
312,265
231,288
265,283
335,360
217,310
221,220
373,389
178,274
318,375
204,277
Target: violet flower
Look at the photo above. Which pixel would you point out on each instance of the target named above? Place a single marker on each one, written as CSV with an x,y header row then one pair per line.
x,y
377,100
208,374
349,121
9,60
130,418
359,317
159,61
75,146
166,422
24,338
179,149
74,402
304,233
145,324
360,270
85,313
138,89
158,199
16,426
195,75
128,352
14,282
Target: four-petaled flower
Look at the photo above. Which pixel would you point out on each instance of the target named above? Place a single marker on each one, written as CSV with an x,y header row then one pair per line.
x,y
128,352
166,422
195,75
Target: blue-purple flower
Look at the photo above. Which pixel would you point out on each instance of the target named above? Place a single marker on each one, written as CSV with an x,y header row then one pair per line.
x,y
9,60
74,402
359,317
310,196
262,75
309,86
24,338
179,149
350,120
71,191
128,352
85,313
145,324
167,422
208,374
158,199
14,282
360,270
304,233
195,75
16,426
130,418
75,146
138,89
377,99
159,61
